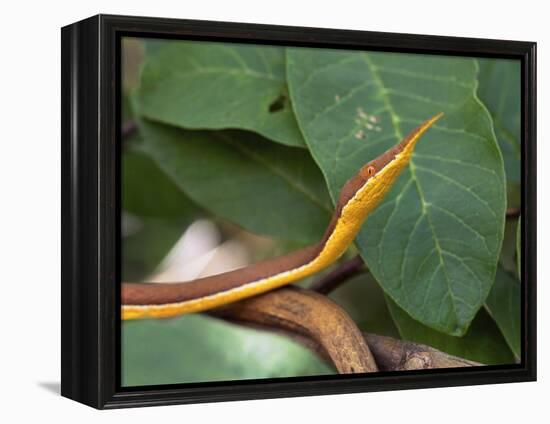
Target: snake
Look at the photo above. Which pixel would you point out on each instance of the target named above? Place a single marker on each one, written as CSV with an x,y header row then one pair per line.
x,y
358,197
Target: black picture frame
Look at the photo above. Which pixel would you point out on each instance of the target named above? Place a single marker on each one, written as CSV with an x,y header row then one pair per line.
x,y
91,210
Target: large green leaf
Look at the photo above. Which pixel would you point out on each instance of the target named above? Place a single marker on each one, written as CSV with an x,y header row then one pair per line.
x,y
155,209
364,301
159,210
196,348
504,305
148,192
264,187
433,244
199,85
500,90
482,342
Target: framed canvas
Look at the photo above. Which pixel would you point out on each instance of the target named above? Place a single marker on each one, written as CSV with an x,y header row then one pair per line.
x,y
253,211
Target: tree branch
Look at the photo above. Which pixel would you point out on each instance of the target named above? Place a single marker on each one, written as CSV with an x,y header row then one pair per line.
x,y
308,315
397,355
337,277
321,325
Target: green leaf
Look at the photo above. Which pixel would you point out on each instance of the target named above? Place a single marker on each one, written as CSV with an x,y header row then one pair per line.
x,y
196,348
500,90
434,242
200,85
504,305
482,342
363,299
148,192
157,207
154,208
264,187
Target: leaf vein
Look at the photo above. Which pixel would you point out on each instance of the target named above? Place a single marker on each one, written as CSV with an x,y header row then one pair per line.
x,y
462,186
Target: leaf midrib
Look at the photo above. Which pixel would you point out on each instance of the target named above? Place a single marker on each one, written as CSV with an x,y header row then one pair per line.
x,y
397,130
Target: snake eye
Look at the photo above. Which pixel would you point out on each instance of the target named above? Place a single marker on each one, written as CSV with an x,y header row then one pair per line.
x,y
371,171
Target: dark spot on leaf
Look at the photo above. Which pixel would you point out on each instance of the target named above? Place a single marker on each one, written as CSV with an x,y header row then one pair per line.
x,y
278,104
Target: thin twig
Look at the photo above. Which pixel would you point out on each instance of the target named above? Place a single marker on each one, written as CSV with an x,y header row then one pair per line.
x,y
342,273
128,128
513,213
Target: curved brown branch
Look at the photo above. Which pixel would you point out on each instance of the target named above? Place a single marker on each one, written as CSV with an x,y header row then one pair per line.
x,y
321,325
308,315
341,274
398,355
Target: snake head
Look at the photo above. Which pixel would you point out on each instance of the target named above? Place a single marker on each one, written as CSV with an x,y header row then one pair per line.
x,y
401,150
376,177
